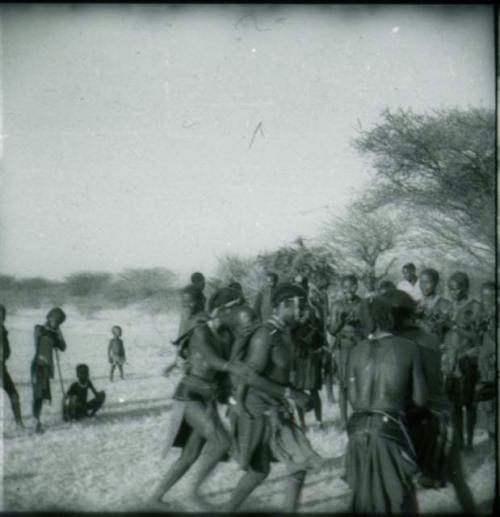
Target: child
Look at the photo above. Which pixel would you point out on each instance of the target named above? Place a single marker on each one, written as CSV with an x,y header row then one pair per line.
x,y
116,352
47,337
76,406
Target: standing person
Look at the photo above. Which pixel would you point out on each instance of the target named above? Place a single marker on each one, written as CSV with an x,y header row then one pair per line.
x,y
76,403
409,284
262,306
309,340
198,280
7,382
385,376
195,420
347,329
486,389
192,314
265,429
328,367
116,352
433,312
459,360
236,286
436,445
385,287
47,337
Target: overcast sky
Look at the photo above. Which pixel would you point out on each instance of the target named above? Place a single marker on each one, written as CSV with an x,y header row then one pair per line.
x,y
127,130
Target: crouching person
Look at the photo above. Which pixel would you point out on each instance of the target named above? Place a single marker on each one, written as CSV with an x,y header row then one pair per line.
x,y
76,405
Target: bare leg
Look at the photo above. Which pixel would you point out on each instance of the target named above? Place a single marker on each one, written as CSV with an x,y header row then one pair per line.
x,y
302,417
189,455
16,409
211,429
458,424
294,485
470,419
113,367
457,478
317,405
343,405
37,411
120,367
250,480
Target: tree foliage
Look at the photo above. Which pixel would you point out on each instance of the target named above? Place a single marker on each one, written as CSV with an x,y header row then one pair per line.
x,y
315,262
361,242
440,169
85,283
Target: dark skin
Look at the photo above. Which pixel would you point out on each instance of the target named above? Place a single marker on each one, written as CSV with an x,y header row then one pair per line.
x,y
204,362
431,359
460,343
344,319
53,323
259,356
410,275
381,375
438,320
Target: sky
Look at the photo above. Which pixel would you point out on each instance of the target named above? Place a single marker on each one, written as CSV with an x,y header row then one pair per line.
x,y
167,136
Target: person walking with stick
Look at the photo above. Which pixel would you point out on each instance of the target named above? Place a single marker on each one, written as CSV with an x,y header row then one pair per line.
x,y
47,337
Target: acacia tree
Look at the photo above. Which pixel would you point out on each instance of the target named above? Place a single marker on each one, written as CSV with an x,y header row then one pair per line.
x,y
439,168
360,242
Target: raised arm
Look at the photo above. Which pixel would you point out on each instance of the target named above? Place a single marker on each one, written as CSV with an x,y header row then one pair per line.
x,y
60,342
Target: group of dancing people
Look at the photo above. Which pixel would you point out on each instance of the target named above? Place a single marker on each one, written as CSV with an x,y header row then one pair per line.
x,y
408,362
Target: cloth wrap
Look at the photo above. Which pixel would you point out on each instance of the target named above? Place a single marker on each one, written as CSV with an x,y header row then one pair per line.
x,y
380,464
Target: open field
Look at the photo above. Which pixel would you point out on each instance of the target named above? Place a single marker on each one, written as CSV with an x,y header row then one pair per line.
x,y
113,462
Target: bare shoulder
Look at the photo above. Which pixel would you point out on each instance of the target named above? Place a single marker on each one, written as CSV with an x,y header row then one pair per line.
x,y
262,337
245,314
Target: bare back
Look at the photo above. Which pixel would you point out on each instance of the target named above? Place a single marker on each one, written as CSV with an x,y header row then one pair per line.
x,y
385,374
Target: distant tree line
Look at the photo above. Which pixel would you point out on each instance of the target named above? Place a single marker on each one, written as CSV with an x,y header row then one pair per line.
x,y
152,289
430,199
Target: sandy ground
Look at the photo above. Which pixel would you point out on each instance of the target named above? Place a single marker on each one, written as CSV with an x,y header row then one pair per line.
x,y
112,462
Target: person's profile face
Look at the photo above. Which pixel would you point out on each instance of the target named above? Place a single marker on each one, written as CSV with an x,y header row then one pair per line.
x,y
3,315
117,331
457,291
427,285
349,289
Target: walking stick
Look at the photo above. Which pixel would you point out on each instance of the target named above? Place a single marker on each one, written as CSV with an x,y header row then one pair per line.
x,y
60,374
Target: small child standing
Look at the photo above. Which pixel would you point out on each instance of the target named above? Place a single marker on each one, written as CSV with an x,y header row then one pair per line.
x,y
116,352
76,405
